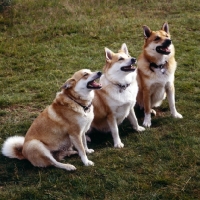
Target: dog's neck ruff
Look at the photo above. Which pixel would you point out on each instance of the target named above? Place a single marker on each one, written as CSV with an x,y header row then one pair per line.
x,y
162,67
85,108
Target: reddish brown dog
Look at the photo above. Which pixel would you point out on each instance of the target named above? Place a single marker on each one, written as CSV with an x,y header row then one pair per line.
x,y
156,69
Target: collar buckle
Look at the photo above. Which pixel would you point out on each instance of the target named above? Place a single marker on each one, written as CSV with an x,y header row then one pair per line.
x,y
161,67
122,87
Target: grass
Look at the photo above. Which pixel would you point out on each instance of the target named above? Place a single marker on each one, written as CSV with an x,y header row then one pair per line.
x,y
42,43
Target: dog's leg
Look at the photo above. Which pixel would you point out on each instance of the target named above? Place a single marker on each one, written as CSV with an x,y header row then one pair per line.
x,y
38,154
77,142
115,132
85,144
66,150
147,109
60,155
133,120
171,99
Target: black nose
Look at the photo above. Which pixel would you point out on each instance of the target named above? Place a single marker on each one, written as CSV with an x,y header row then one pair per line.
x,y
99,73
133,60
167,42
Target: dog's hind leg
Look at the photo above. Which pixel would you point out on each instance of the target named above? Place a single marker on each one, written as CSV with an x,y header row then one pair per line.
x,y
39,155
61,154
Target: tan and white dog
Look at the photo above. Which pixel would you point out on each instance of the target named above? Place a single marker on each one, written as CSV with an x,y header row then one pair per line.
x,y
156,68
115,101
60,126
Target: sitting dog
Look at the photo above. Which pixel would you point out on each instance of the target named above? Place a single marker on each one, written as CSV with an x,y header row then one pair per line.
x,y
60,126
115,101
156,68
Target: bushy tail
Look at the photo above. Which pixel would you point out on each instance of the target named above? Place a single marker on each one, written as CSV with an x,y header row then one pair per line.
x,y
12,147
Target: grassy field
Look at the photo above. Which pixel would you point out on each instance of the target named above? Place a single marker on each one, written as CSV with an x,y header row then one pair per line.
x,y
42,43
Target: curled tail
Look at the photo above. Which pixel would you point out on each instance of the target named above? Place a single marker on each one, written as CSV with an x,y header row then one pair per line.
x,y
12,147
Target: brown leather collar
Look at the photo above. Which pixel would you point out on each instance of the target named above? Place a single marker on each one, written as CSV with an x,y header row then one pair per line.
x,y
85,108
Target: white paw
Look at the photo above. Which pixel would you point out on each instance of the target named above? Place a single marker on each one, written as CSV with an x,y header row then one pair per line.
x,y
147,120
89,163
177,115
119,145
153,112
89,150
140,128
70,167
147,123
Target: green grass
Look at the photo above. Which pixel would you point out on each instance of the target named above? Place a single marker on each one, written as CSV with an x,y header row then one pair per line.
x,y
42,43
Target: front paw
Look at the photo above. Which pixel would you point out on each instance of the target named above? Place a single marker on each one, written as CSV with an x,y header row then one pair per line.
x,y
140,129
89,163
89,150
147,120
147,123
177,115
119,145
69,167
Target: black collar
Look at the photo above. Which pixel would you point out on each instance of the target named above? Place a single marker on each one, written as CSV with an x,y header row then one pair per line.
x,y
122,87
85,108
161,67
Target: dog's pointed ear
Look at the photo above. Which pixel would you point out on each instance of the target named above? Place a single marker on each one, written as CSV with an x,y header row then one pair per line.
x,y
147,31
109,54
68,84
124,49
165,27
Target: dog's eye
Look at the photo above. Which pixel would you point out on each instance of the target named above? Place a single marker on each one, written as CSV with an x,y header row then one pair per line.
x,y
121,58
85,75
157,38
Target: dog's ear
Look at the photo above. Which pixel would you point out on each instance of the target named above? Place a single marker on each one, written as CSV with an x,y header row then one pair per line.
x,y
68,84
147,31
165,27
124,49
109,54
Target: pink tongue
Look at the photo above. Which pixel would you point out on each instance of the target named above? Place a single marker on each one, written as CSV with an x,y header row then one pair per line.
x,y
166,49
95,84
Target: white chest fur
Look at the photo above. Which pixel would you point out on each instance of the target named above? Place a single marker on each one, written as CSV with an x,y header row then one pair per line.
x,y
121,101
85,120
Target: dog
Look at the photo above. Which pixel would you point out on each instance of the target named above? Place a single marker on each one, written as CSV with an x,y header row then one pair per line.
x,y
116,100
60,126
156,69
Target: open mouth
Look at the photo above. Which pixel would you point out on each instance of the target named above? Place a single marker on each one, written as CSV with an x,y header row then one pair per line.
x,y
163,50
93,84
130,68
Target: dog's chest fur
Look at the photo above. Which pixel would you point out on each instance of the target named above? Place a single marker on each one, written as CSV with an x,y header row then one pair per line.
x,y
75,115
121,101
160,79
85,120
